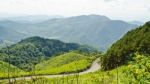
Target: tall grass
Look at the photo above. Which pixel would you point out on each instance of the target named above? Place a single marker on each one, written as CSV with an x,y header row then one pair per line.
x,y
13,71
66,63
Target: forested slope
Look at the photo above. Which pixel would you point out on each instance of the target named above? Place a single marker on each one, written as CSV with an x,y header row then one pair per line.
x,y
137,40
31,51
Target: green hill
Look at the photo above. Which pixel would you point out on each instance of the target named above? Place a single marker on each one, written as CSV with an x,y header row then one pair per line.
x,y
65,63
31,51
13,71
137,40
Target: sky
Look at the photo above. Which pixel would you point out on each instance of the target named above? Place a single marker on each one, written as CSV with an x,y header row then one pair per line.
x,y
128,10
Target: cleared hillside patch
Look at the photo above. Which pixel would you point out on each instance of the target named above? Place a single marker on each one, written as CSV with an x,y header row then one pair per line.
x,y
66,63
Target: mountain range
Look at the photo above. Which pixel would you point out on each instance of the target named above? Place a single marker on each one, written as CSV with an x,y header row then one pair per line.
x,y
30,18
93,30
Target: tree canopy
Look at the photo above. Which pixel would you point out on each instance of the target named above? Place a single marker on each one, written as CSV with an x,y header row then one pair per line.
x,y
137,40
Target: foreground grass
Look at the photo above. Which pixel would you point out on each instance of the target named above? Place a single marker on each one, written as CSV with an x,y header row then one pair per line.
x,y
135,72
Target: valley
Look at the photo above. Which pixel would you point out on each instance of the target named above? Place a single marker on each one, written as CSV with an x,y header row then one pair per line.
x,y
39,60
74,41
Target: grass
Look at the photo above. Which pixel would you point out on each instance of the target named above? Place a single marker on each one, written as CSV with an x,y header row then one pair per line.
x,y
66,63
72,67
136,71
13,71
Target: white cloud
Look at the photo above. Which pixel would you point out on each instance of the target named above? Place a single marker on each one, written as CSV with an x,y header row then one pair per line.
x,y
115,9
110,0
149,9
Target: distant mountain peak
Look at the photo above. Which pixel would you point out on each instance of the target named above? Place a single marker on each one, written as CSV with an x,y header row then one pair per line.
x,y
92,16
94,30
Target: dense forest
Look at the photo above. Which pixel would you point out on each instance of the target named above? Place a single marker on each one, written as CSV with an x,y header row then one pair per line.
x,y
135,41
33,50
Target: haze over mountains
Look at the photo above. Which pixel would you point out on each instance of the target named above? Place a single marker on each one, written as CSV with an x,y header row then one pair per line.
x,y
137,22
94,30
31,18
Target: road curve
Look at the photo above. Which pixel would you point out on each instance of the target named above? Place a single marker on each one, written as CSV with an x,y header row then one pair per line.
x,y
94,67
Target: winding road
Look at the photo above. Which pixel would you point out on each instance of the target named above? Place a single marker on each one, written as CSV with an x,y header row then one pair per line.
x,y
94,67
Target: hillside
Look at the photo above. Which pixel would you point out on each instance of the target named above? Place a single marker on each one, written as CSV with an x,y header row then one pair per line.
x,y
135,72
94,30
33,50
137,40
65,63
13,71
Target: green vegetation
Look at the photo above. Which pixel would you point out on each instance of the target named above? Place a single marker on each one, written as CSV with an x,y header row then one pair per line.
x,y
126,62
134,72
27,53
137,40
13,71
138,70
71,62
66,63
